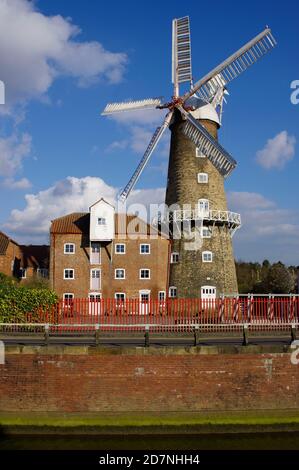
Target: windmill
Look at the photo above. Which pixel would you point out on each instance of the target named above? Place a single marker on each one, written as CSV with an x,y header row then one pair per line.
x,y
198,164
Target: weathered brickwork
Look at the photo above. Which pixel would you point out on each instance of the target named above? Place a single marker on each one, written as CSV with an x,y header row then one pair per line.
x,y
29,258
10,260
183,188
132,261
143,382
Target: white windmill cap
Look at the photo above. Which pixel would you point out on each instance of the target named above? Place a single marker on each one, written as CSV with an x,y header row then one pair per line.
x,y
203,110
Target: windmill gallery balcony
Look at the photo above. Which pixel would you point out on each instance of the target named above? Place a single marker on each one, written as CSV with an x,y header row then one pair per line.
x,y
211,217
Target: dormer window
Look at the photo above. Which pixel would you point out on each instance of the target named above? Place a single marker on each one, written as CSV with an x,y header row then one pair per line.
x,y
102,221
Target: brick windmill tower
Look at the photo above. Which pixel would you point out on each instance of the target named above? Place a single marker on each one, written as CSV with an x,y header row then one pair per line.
x,y
198,220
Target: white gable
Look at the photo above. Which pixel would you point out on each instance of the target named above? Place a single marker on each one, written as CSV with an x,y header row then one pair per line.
x,y
101,221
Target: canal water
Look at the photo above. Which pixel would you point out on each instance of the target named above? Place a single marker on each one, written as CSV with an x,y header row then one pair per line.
x,y
240,441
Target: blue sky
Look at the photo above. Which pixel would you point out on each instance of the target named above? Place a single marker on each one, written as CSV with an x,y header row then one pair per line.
x,y
53,130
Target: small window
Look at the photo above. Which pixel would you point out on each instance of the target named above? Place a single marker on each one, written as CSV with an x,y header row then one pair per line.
x,y
23,273
199,153
162,295
95,247
207,257
172,292
68,298
145,249
69,248
144,274
120,296
69,274
95,253
202,177
102,221
42,272
206,232
174,258
120,274
203,206
120,248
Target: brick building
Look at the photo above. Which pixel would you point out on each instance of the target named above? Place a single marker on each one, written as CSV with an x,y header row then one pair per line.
x,y
10,256
101,254
23,261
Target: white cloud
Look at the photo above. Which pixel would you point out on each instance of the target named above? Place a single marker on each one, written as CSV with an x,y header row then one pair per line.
x,y
267,231
117,145
277,151
13,150
35,49
22,183
246,200
31,225
140,126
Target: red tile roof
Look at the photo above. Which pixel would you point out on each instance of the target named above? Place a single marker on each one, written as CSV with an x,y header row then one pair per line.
x,y
78,222
4,242
35,256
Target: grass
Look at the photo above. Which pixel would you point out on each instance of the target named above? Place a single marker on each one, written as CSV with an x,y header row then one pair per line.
x,y
203,421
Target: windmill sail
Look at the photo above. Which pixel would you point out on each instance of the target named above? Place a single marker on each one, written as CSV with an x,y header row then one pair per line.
x,y
233,66
112,108
181,52
203,140
151,147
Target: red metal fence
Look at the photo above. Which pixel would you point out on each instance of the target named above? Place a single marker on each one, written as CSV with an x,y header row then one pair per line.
x,y
173,315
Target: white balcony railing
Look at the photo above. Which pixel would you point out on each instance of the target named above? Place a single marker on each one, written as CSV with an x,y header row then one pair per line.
x,y
212,215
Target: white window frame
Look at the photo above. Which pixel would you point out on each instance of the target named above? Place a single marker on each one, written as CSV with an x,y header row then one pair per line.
x,y
120,252
91,278
207,253
68,302
103,221
68,278
94,294
175,253
120,293
42,272
68,293
202,178
164,295
144,278
170,292
92,262
149,249
119,278
23,273
204,294
206,203
69,252
199,154
208,229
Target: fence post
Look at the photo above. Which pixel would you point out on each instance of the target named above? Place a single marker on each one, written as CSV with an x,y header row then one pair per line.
x,y
245,334
47,333
97,334
221,310
146,336
249,307
196,336
293,332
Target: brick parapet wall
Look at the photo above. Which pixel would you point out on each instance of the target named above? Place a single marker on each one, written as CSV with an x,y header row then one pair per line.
x,y
86,379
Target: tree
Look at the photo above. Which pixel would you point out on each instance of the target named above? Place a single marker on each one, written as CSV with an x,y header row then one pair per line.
x,y
18,302
279,279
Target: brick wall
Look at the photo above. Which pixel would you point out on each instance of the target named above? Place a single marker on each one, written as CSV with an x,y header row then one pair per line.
x,y
190,274
132,261
69,379
12,255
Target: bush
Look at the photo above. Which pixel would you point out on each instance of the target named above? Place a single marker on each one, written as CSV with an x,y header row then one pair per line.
x,y
16,301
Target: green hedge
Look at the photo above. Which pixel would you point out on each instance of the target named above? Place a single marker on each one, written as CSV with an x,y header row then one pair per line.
x,y
17,301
